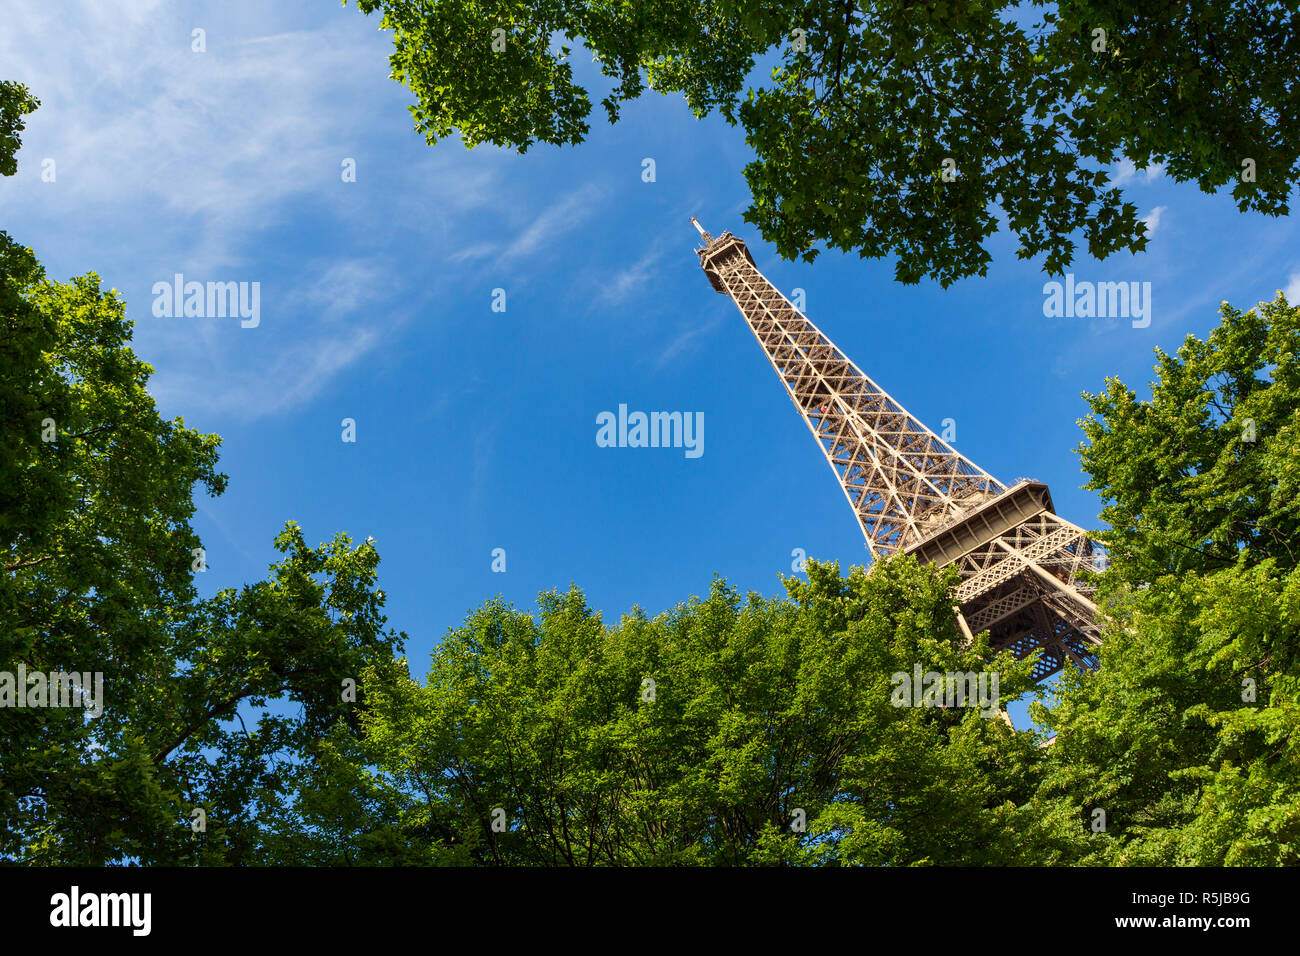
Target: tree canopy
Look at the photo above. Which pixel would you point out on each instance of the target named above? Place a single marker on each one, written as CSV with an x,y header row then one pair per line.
x,y
1188,737
890,127
730,730
277,723
702,735
733,729
16,101
99,561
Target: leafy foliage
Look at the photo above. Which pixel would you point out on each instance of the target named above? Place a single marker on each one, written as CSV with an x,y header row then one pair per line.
x,y
96,497
1189,735
1206,475
731,730
97,552
1030,103
16,101
702,735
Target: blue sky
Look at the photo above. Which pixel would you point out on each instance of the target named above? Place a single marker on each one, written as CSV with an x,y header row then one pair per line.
x,y
476,429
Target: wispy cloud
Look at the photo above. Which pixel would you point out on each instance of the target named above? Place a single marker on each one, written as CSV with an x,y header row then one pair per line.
x,y
170,160
623,283
252,373
343,286
1126,172
1152,219
560,217
480,250
219,140
686,341
1292,290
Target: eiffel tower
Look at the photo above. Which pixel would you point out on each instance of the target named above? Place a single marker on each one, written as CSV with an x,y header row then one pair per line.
x,y
913,493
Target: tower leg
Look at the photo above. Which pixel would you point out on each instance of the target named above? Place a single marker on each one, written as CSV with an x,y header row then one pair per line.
x,y
965,628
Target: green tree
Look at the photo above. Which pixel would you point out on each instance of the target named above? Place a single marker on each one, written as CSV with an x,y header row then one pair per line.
x,y
16,101
96,496
868,105
728,731
97,560
1188,738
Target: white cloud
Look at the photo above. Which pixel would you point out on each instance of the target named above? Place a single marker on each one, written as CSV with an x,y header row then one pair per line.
x,y
221,139
172,161
1125,172
686,342
556,220
623,283
1152,219
561,216
343,286
218,367
1292,290
480,250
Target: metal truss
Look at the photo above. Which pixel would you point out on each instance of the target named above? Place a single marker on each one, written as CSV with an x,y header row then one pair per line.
x,y
911,492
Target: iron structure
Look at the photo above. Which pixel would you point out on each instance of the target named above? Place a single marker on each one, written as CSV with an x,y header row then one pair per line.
x,y
912,493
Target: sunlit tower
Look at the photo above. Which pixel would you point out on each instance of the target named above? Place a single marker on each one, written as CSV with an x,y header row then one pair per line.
x,y
913,493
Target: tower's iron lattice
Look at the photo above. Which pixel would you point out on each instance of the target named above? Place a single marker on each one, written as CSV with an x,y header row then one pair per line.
x,y
912,492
